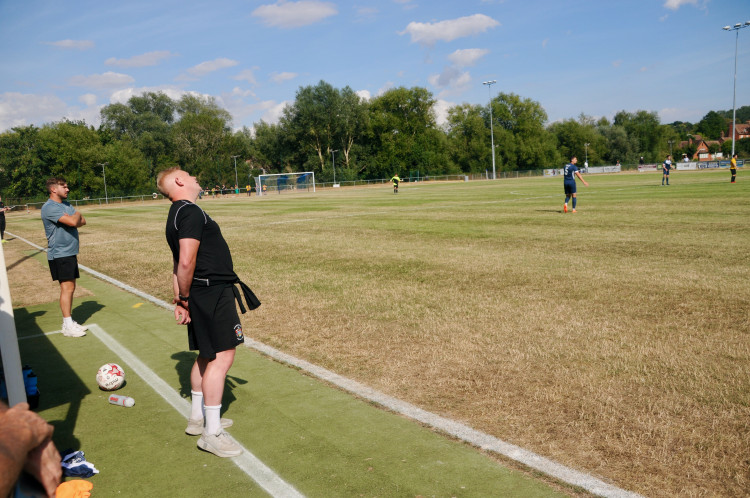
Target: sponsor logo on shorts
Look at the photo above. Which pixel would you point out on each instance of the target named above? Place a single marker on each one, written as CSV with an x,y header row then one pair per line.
x,y
238,331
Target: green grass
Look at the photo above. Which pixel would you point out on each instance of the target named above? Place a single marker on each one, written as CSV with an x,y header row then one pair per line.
x,y
613,340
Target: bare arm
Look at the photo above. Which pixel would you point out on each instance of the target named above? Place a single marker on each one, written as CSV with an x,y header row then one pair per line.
x,y
182,278
578,174
26,443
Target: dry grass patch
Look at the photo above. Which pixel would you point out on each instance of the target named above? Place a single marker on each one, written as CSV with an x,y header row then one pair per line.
x,y
616,341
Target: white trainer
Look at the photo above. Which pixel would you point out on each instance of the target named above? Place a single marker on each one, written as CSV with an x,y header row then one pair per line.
x,y
195,425
220,444
73,330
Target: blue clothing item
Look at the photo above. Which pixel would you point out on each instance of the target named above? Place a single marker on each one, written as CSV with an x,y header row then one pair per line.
x,y
569,173
62,240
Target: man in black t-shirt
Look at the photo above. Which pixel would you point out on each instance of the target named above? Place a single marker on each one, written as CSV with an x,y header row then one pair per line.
x,y
203,280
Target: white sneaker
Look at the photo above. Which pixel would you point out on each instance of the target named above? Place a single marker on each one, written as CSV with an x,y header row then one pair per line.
x,y
83,327
220,444
73,330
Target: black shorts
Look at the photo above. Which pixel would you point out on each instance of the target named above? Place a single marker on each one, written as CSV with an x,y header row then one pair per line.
x,y
215,325
65,268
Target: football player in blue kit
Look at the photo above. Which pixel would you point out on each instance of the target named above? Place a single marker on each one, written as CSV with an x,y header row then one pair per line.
x,y
569,174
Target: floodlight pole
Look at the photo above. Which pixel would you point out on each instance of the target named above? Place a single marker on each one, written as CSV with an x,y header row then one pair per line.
x,y
104,174
236,182
737,27
670,142
586,145
333,153
492,131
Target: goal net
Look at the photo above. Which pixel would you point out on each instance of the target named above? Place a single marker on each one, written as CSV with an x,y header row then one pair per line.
x,y
281,183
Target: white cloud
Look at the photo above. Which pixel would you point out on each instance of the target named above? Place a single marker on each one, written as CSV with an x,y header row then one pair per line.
x,y
143,60
282,77
617,63
204,68
467,57
285,14
22,109
441,111
239,92
451,80
72,44
545,42
246,75
387,86
102,81
430,33
676,4
173,92
364,94
273,113
88,99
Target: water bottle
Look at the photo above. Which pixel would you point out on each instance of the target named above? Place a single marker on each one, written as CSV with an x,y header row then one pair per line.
x,y
120,400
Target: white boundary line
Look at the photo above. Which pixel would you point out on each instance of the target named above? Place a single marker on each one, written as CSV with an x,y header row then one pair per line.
x,y
249,463
448,426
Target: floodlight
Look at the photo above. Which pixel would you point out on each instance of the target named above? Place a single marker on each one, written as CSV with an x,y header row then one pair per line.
x,y
727,28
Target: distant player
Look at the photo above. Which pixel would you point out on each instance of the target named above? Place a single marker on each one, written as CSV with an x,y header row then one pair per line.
x,y
733,168
665,168
395,181
3,209
569,182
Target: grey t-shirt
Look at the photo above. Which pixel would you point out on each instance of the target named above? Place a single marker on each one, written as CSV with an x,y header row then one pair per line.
x,y
62,240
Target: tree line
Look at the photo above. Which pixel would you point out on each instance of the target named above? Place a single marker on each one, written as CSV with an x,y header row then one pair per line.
x,y
393,133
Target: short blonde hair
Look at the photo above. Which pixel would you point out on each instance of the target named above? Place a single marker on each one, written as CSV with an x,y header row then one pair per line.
x,y
160,180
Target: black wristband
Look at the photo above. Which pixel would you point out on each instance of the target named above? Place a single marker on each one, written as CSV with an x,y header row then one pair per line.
x,y
182,298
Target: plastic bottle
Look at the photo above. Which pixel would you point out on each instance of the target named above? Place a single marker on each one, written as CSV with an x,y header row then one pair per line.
x,y
119,399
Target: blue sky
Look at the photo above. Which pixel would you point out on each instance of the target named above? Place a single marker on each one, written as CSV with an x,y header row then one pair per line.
x,y
67,59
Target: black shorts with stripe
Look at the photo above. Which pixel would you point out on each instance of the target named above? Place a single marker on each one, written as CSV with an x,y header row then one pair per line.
x,y
215,325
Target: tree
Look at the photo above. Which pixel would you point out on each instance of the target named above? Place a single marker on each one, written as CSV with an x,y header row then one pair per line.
x,y
573,135
712,125
523,142
468,146
404,135
146,120
645,131
199,137
22,171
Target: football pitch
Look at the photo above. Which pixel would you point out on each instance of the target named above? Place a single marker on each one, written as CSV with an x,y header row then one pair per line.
x,y
613,340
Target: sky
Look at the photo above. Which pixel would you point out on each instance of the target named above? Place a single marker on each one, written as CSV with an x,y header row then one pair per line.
x,y
68,59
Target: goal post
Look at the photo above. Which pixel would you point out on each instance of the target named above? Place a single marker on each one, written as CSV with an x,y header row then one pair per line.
x,y
283,183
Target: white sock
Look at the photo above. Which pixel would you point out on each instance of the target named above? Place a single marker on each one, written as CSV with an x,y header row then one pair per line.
x,y
196,406
67,320
213,420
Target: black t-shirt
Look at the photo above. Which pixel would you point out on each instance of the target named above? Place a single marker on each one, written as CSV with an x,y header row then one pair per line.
x,y
188,221
2,213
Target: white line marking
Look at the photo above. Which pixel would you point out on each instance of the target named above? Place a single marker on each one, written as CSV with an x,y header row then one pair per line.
x,y
249,463
448,426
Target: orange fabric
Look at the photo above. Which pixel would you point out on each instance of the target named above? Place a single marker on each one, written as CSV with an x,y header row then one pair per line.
x,y
74,489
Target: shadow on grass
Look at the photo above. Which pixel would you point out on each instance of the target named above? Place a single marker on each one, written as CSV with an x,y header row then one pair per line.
x,y
59,385
184,365
86,310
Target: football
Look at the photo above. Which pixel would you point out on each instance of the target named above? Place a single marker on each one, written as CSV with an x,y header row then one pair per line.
x,y
110,376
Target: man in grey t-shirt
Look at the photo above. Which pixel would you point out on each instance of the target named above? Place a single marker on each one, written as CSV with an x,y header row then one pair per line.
x,y
61,222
